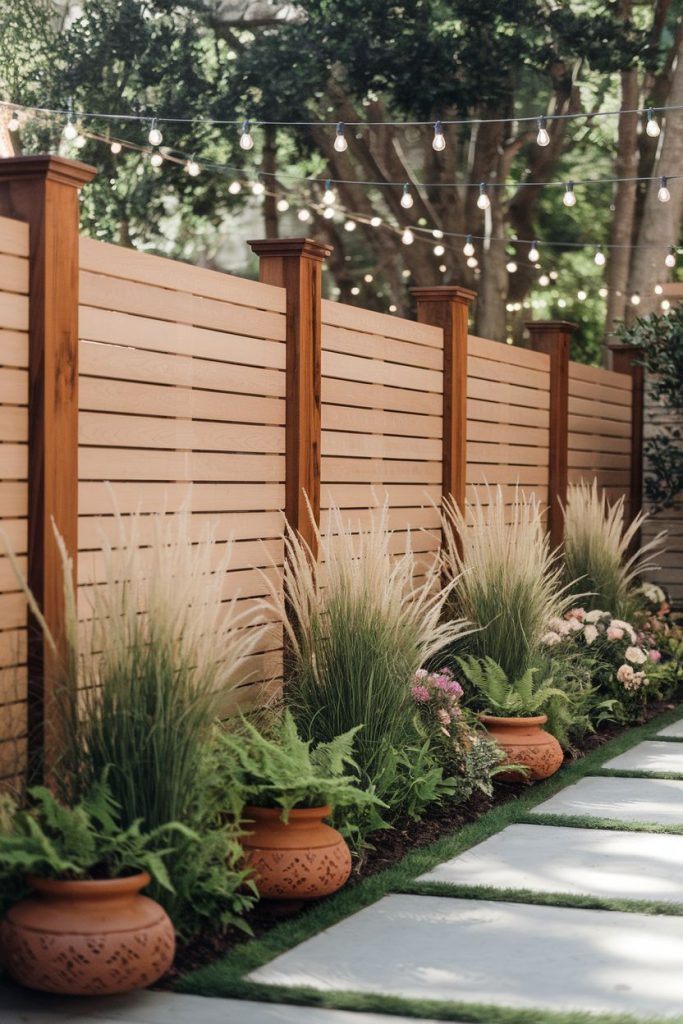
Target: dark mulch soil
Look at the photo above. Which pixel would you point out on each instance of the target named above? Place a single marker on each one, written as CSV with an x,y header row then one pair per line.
x,y
391,847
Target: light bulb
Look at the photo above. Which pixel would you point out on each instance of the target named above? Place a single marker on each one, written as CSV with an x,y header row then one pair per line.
x,y
437,233
392,309
599,258
70,131
282,206
511,267
407,237
569,197
246,141
328,213
234,188
405,273
635,299
658,289
666,305
303,216
14,121
115,148
438,142
155,138
355,290
468,248
483,201
329,194
375,222
258,188
582,295
562,303
544,280
663,195
652,127
80,141
340,143
553,275
439,250
534,254
603,293
349,225
193,168
156,159
406,198
670,258
473,262
368,278
543,139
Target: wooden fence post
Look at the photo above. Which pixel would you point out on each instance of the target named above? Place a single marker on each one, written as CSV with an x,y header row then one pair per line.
x,y
628,359
447,306
296,265
554,338
43,191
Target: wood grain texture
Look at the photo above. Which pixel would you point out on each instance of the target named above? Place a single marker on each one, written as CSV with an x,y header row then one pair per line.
x,y
626,360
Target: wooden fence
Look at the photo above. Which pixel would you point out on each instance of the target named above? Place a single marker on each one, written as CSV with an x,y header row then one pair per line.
x,y
168,384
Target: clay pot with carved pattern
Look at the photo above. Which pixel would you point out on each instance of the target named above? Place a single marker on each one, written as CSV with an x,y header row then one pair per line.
x,y
300,859
526,743
87,937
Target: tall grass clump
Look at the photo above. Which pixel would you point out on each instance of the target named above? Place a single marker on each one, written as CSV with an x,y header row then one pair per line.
x,y
360,621
145,672
507,581
597,542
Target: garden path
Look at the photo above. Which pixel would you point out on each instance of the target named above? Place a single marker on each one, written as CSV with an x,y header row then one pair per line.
x,y
532,918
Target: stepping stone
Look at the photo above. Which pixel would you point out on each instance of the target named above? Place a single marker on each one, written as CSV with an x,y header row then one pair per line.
x,y
675,730
514,955
650,756
587,862
653,801
19,1006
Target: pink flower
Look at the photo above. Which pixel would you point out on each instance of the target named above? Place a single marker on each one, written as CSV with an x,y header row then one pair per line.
x,y
655,655
615,633
420,694
576,613
421,673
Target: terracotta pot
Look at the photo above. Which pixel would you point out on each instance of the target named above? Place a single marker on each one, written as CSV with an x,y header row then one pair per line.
x,y
301,859
87,938
525,743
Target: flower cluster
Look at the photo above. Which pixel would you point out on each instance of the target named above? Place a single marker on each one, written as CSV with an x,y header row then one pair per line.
x,y
438,696
614,640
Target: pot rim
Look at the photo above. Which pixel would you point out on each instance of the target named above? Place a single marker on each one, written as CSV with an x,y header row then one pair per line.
x,y
90,887
275,813
515,723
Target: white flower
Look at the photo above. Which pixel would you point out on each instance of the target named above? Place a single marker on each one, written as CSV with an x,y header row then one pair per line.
x,y
550,639
615,633
596,615
625,674
590,634
575,625
421,673
626,626
636,655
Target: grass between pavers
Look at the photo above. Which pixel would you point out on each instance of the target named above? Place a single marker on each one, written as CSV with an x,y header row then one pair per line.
x,y
227,977
588,821
636,773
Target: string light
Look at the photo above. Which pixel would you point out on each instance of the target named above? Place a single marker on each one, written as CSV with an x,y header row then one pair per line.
x,y
234,188
468,248
443,268
80,141
437,233
658,289
635,299
544,280
603,293
349,225
511,267
304,216
406,198
599,257
368,278
439,250
582,295
473,262
258,188
116,147
282,206
663,195
652,127
534,254
70,131
355,290
439,141
328,213
340,143
543,139
375,222
670,258
407,237
14,121
156,158
483,201
329,195
246,139
666,305
155,138
193,168
569,197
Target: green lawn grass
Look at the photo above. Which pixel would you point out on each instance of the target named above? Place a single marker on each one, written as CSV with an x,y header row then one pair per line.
x,y
228,977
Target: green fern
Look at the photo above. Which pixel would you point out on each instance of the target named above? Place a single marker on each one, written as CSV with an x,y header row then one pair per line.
x,y
495,693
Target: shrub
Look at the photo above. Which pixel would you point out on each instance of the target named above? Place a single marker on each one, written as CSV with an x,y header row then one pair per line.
x,y
596,550
494,693
505,578
359,624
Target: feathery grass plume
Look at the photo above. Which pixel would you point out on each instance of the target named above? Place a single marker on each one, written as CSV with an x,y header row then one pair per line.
x,y
359,624
596,549
507,580
143,676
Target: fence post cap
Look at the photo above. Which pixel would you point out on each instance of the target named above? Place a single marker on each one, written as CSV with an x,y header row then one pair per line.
x,y
291,247
443,293
51,168
566,326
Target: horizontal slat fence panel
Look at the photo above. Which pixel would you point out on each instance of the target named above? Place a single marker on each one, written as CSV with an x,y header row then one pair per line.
x,y
14,311
508,402
659,418
382,420
182,404
600,428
